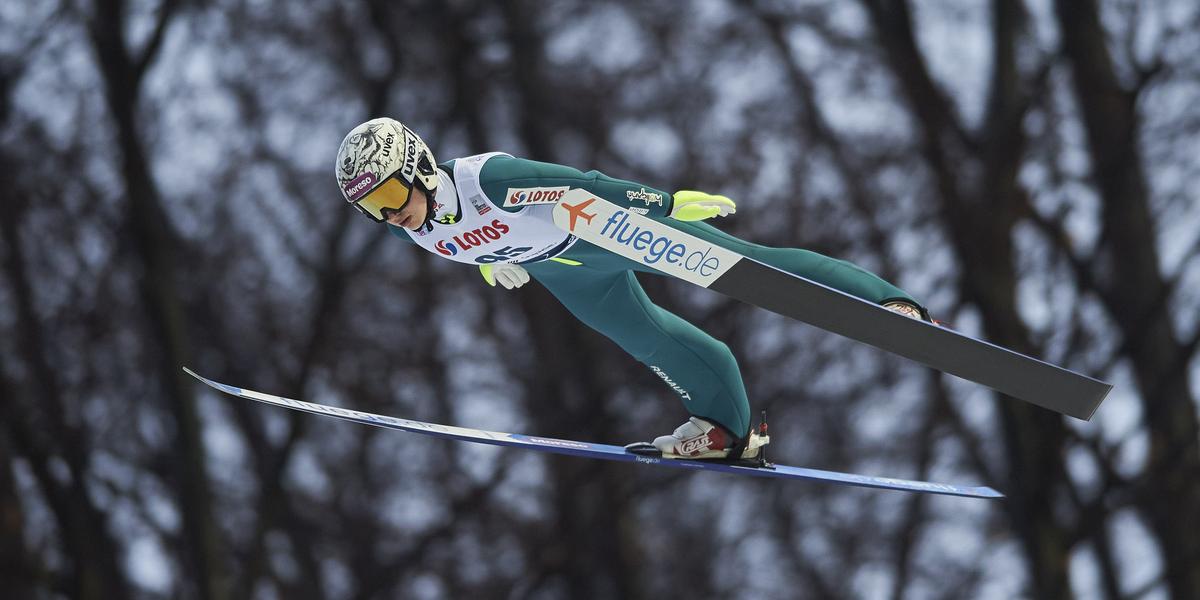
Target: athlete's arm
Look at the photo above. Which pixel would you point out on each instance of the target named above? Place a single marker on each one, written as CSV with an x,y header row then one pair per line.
x,y
511,183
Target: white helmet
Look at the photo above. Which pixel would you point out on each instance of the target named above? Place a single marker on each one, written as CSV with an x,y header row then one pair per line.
x,y
378,164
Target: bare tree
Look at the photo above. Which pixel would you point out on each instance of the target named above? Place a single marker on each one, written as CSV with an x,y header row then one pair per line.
x,y
166,201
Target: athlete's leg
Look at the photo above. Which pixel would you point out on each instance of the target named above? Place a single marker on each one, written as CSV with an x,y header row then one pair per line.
x,y
837,274
605,295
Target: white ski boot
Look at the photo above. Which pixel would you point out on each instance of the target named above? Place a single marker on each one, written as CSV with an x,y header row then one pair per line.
x,y
914,312
703,440
905,308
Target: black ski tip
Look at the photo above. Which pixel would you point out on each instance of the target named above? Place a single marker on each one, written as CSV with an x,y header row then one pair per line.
x,y
643,449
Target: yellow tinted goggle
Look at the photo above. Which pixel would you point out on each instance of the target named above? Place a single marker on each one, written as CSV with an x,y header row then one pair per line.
x,y
392,193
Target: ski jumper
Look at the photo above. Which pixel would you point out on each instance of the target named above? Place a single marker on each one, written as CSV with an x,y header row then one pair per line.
x,y
496,208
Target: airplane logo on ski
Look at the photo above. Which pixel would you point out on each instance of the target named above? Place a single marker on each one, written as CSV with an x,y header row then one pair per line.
x,y
576,211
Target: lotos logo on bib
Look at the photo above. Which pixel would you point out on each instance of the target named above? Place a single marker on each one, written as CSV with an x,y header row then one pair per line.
x,y
471,239
537,195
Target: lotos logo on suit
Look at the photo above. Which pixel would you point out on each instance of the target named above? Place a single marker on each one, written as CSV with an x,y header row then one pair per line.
x,y
536,195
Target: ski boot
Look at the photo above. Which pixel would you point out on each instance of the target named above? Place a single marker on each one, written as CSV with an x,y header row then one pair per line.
x,y
913,311
699,439
907,309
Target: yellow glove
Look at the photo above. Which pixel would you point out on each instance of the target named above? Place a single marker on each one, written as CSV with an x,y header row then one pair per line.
x,y
691,205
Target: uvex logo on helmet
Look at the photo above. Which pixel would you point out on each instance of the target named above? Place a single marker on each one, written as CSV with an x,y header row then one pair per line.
x,y
410,156
359,186
476,237
387,145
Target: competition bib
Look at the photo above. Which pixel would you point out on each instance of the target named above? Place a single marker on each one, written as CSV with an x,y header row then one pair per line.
x,y
486,234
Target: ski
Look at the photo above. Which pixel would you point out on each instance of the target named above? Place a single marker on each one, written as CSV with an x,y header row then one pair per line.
x,y
687,257
600,451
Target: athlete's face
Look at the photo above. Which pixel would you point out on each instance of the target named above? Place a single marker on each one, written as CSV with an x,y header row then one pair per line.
x,y
412,214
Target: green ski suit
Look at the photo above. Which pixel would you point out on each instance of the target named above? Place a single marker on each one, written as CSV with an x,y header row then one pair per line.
x,y
600,288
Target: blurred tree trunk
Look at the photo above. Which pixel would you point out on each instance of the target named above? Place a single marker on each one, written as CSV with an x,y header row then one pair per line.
x,y
1134,291
980,200
19,574
57,451
36,416
155,246
568,394
588,548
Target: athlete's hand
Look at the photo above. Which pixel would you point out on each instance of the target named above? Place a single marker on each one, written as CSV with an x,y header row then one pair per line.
x,y
691,205
509,275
